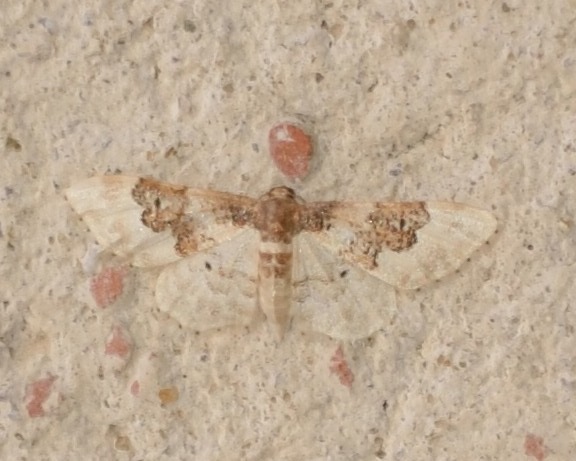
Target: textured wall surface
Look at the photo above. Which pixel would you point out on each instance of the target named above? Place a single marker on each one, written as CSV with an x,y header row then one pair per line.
x,y
467,101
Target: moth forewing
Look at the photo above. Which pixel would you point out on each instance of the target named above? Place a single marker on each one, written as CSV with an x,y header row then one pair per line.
x,y
154,223
406,244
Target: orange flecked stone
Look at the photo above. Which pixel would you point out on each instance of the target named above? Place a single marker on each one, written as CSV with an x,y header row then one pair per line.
x,y
168,395
291,150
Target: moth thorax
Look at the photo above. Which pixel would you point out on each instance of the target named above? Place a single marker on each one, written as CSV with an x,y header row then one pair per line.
x,y
278,218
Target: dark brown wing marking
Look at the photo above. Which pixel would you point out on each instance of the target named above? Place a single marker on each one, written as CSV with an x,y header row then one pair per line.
x,y
383,225
163,204
395,225
168,206
315,217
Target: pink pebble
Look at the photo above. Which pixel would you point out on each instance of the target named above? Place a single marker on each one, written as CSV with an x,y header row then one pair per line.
x,y
340,368
291,150
108,285
37,393
118,343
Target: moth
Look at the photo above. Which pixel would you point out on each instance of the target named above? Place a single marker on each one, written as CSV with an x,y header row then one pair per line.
x,y
231,258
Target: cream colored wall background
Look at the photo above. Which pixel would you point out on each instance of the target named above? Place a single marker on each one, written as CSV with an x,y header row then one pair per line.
x,y
468,101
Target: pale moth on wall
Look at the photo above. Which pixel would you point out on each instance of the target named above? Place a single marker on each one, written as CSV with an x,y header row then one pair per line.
x,y
318,265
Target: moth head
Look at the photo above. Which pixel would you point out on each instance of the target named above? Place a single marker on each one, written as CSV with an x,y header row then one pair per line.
x,y
281,192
